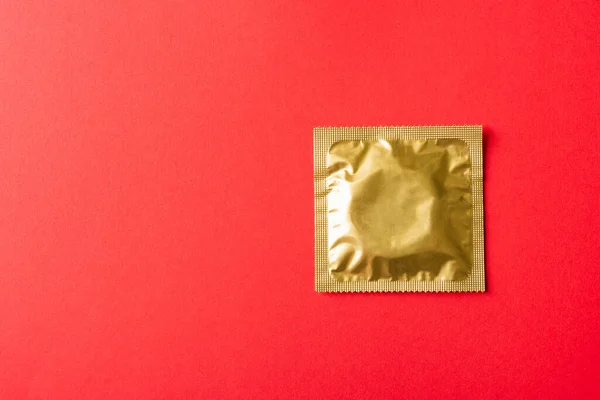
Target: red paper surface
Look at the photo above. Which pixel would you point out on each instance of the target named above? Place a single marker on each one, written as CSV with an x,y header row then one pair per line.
x,y
156,202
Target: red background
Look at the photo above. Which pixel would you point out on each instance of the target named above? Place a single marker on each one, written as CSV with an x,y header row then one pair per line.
x,y
156,206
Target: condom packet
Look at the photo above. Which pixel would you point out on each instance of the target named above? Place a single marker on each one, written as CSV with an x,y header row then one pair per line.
x,y
399,209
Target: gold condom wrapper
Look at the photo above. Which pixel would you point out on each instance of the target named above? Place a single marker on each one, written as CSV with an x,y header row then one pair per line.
x,y
399,209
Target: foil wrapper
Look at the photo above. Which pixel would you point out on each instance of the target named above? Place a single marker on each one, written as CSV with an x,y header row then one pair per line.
x,y
399,209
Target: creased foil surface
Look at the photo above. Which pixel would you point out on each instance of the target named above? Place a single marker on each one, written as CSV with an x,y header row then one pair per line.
x,y
399,209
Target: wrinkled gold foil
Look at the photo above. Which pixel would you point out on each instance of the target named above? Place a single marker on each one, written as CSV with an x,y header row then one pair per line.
x,y
399,209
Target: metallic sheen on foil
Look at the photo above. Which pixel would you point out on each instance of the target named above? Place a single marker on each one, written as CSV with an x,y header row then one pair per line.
x,y
399,209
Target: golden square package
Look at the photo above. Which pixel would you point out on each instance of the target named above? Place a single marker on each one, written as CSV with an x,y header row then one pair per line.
x,y
398,209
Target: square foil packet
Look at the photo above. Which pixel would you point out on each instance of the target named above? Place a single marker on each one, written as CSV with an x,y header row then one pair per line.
x,y
399,209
